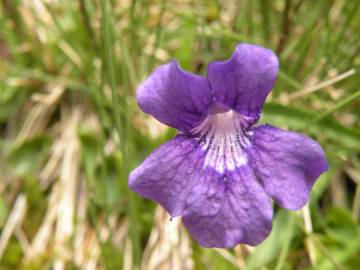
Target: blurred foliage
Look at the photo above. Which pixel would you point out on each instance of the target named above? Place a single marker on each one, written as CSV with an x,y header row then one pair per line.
x,y
70,129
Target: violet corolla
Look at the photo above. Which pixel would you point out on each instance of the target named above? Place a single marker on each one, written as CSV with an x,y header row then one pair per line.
x,y
221,171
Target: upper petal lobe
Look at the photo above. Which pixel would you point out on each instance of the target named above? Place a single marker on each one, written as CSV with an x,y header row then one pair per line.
x,y
287,164
243,82
245,214
175,97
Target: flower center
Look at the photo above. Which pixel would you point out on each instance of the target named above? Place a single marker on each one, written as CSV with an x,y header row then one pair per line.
x,y
223,137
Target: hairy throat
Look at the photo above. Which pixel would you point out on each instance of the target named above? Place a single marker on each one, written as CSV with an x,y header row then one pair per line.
x,y
224,138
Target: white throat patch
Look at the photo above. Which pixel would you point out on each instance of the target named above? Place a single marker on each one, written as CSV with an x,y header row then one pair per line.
x,y
223,139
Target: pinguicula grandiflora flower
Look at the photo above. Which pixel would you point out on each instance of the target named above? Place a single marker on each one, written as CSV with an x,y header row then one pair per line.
x,y
221,171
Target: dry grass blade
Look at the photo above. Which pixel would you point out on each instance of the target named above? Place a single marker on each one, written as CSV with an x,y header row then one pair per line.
x,y
230,258
14,221
317,87
241,253
309,230
45,233
168,246
39,114
92,250
51,169
71,53
69,179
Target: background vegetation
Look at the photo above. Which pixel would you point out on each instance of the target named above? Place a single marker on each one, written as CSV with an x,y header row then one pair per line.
x,y
70,129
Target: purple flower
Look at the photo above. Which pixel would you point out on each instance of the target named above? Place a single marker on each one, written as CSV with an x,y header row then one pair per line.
x,y
221,171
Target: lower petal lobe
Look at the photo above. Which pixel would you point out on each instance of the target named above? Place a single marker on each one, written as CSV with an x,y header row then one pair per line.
x,y
244,216
287,164
175,97
173,175
219,208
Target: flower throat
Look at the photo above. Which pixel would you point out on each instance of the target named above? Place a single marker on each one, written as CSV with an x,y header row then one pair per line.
x,y
223,138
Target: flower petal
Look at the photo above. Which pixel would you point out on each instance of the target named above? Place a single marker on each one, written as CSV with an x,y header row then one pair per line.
x,y
243,82
287,163
245,215
175,97
173,172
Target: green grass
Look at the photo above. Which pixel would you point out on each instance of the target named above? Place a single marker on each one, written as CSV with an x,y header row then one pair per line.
x,y
71,131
